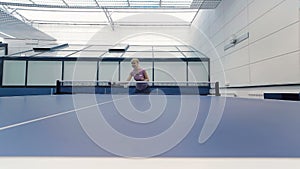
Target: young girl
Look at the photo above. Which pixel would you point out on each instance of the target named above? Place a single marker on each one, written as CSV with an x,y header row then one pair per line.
x,y
139,74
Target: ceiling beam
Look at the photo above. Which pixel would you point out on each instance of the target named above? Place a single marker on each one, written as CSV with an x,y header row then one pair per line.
x,y
65,3
107,14
128,3
200,7
32,2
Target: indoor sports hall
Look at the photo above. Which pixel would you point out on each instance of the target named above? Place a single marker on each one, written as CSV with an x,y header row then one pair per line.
x,y
211,84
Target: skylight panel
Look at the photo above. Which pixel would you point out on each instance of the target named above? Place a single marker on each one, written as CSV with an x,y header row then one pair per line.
x,y
119,4
158,17
209,4
49,2
137,55
168,55
144,3
17,1
55,54
83,54
185,48
64,16
89,3
165,48
139,48
98,48
113,3
107,54
121,12
177,3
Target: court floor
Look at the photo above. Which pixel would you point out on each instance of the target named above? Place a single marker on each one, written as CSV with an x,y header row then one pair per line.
x,y
158,126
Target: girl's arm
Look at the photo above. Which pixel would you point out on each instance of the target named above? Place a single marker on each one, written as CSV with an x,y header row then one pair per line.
x,y
129,77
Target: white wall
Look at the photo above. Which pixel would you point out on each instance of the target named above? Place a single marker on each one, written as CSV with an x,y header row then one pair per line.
x,y
270,55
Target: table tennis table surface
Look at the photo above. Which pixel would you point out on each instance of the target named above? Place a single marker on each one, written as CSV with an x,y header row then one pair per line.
x,y
51,125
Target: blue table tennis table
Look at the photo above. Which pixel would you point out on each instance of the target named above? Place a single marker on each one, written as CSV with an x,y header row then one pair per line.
x,y
99,125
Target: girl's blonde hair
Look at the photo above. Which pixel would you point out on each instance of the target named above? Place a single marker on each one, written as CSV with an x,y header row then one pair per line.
x,y
135,60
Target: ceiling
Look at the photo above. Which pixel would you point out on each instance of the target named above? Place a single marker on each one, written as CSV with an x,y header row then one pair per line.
x,y
108,12
117,4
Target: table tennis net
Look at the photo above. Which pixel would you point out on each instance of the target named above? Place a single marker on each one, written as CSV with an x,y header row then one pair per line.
x,y
125,87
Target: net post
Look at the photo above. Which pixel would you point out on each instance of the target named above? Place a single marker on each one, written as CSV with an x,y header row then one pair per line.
x,y
57,87
217,89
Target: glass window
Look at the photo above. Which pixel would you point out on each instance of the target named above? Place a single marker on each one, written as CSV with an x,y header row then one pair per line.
x,y
43,72
2,51
198,71
80,71
170,71
14,72
109,71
